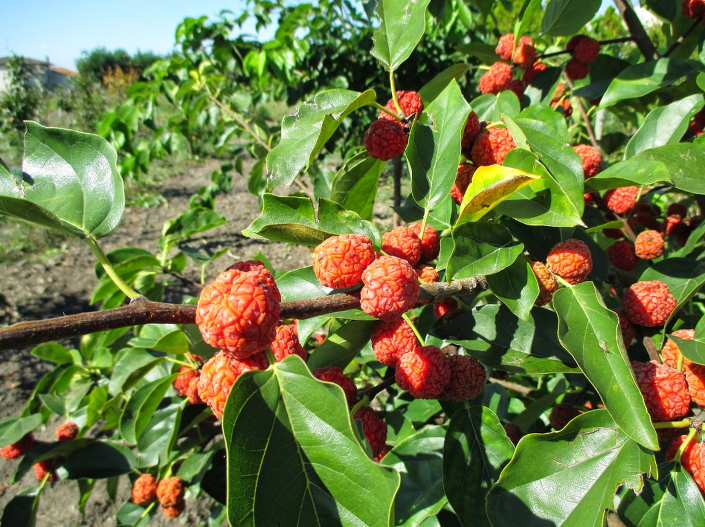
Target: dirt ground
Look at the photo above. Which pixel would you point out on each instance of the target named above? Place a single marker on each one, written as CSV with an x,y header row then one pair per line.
x,y
63,283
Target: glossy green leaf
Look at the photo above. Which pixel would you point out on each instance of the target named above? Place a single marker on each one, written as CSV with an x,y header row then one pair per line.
x,y
159,436
53,352
54,403
193,469
21,511
482,248
340,347
355,184
527,17
476,450
131,515
12,429
490,107
161,337
440,82
590,333
635,171
693,349
403,24
567,17
284,425
695,239
100,460
684,277
130,365
685,163
141,406
547,483
547,115
516,286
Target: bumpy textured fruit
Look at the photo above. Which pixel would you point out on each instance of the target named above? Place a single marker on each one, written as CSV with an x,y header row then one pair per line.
x,y
287,342
44,467
239,310
649,245
410,104
18,448
621,200
615,234
505,45
648,303
664,389
424,372
677,208
391,340
564,106
627,329
496,79
576,70
66,432
374,428
391,288
219,374
335,375
426,273
492,146
562,414
175,511
441,307
518,87
694,373
467,378
385,139
692,459
622,256
472,128
547,283
559,93
671,354
403,243
192,391
462,180
431,243
693,8
144,490
524,55
592,160
338,261
170,491
532,71
571,260
183,381
644,219
513,432
583,48
259,271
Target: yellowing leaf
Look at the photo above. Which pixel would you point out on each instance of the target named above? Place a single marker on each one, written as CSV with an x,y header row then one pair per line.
x,y
491,185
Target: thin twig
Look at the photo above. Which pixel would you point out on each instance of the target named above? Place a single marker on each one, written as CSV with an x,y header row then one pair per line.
x,y
373,391
240,121
586,119
682,38
636,29
512,386
569,50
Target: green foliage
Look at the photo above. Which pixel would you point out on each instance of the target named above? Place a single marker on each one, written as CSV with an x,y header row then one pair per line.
x,y
20,101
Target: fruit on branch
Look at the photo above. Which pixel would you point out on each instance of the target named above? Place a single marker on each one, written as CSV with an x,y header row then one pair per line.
x,y
694,373
374,428
286,342
18,448
144,489
219,374
403,243
431,243
664,389
175,511
426,273
170,491
576,70
44,469
591,158
410,104
622,256
492,146
462,181
627,329
532,71
505,45
66,431
338,262
670,352
391,288
517,86
677,208
471,130
423,372
385,139
547,283
571,260
583,48
648,303
335,375
524,55
649,245
442,307
188,374
496,79
566,108
672,225
621,200
391,340
561,415
239,311
693,8
467,378
692,459
513,432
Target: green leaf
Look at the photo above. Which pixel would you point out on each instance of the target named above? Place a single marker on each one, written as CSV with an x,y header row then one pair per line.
x,y
644,78
71,182
12,429
53,352
485,52
195,466
684,277
685,163
482,248
131,364
54,403
551,485
440,82
355,185
100,460
293,220
131,515
161,337
433,150
547,115
305,133
159,435
517,287
190,223
303,435
21,511
635,171
664,125
141,406
340,347
567,17
490,107
590,333
494,336
695,239
476,450
403,25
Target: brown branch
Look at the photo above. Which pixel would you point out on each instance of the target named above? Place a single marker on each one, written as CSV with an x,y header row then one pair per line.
x,y
636,29
512,386
680,40
142,311
570,50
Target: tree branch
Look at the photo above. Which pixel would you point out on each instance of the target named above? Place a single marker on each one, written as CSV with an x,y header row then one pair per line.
x,y
636,29
680,40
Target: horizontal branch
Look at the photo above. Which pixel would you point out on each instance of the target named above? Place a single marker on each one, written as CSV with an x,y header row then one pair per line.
x,y
142,311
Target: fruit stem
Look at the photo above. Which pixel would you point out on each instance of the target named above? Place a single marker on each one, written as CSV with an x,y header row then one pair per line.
x,y
406,317
382,108
683,423
394,91
685,444
270,357
561,281
146,512
679,366
182,363
423,224
110,270
492,125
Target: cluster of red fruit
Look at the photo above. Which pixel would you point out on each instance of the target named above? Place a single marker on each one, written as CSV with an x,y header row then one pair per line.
x,y
46,467
169,492
694,9
386,137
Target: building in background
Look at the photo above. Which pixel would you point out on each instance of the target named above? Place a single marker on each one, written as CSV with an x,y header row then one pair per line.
x,y
48,76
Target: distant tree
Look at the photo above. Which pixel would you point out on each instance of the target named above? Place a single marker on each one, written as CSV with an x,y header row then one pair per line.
x,y
95,64
22,98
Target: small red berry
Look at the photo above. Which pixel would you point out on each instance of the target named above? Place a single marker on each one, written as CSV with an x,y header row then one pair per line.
x,y
583,48
693,8
664,389
462,181
192,391
648,303
18,448
524,55
170,491
410,104
622,256
621,200
391,288
467,378
44,467
591,158
571,260
532,71
576,70
649,245
430,244
144,489
441,307
183,381
547,283
403,243
287,342
492,146
374,428
175,511
505,46
513,432
338,261
677,208
385,139
672,225
471,130
496,79
391,340
426,273
518,87
562,414
67,431
424,372
335,375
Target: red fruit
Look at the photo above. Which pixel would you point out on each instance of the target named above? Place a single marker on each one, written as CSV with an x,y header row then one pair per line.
x,y
403,243
320,339
532,71
423,372
183,381
615,234
559,93
66,431
677,208
664,389
175,511
430,244
335,375
571,260
287,342
693,8
622,256
694,373
238,311
219,374
692,458
374,428
144,490
42,468
410,104
592,160
426,273
517,86
583,48
671,354
338,261
649,245
462,181
385,139
513,432
18,448
472,128
492,146
672,225
562,414
565,107
621,200
467,378
391,340
391,288
170,492
648,303
644,219
192,392
505,46
496,79
627,329
258,271
441,307
576,70
547,283
524,55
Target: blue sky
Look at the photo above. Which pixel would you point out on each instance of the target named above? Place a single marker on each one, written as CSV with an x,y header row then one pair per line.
x,y
61,30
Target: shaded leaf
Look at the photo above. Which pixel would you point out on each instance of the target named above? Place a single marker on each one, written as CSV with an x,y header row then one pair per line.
x,y
517,287
12,429
567,17
481,248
